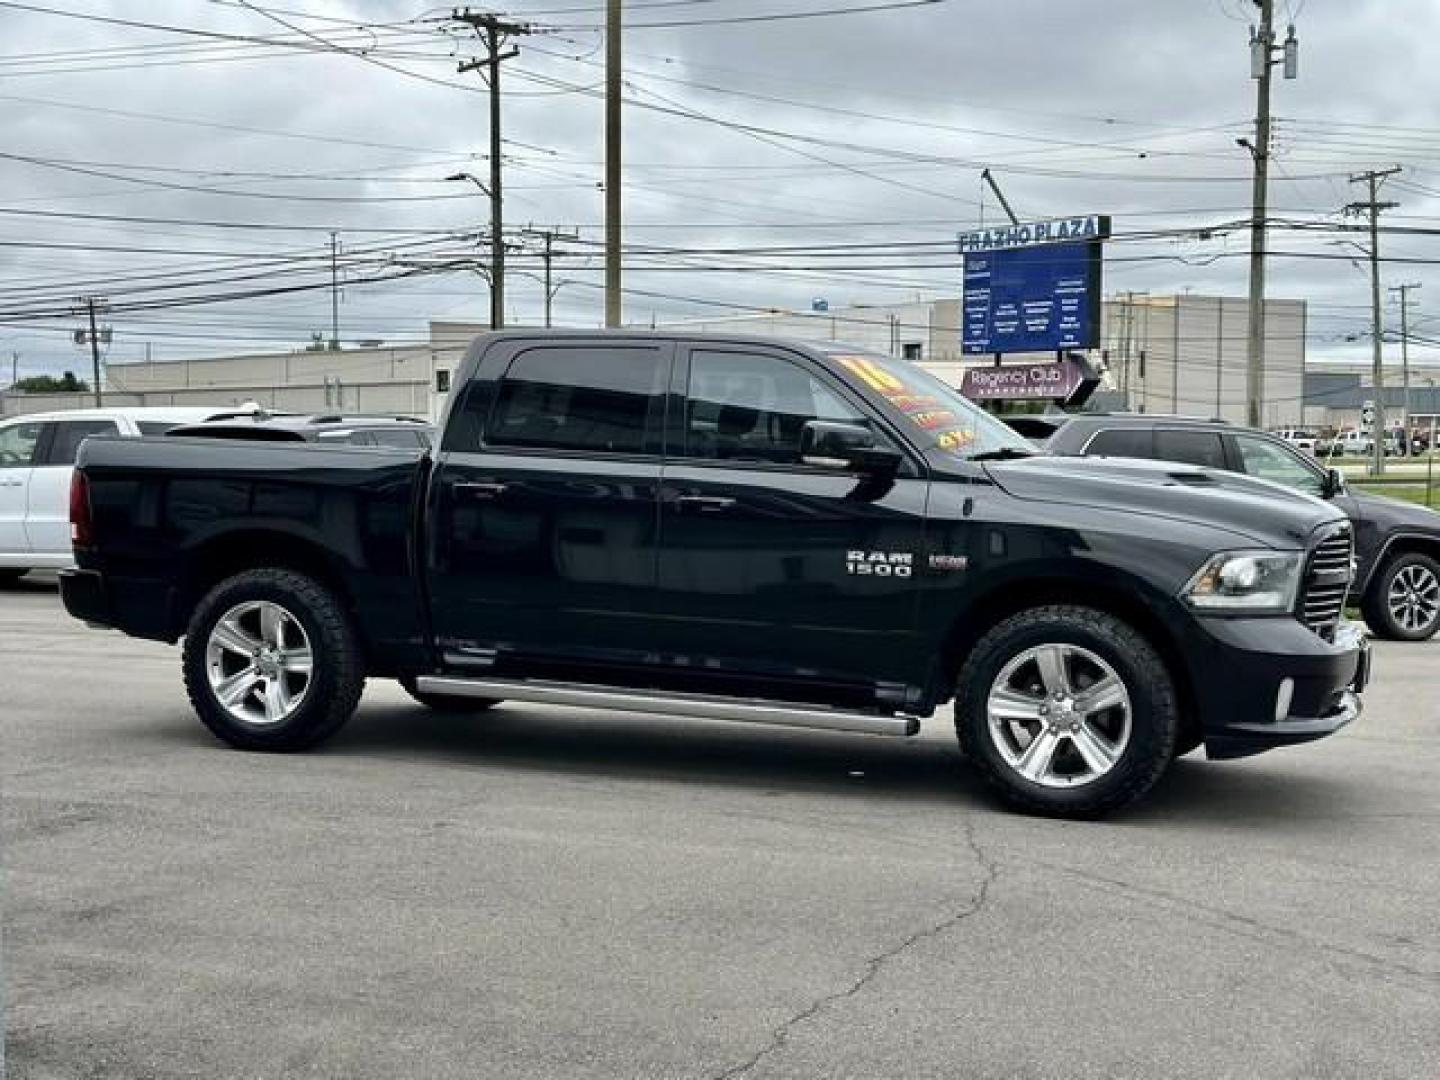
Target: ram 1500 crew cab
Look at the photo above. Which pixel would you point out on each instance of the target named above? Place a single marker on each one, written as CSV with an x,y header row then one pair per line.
x,y
742,529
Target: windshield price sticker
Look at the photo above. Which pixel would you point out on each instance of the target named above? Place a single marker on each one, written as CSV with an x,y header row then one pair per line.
x,y
923,410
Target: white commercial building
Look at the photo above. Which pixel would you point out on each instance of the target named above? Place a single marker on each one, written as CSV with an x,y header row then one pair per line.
x,y
1176,354
1186,354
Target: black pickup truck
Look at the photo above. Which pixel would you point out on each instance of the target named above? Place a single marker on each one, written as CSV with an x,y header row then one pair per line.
x,y
740,529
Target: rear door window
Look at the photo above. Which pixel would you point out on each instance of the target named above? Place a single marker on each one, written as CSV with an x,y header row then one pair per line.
x,y
580,399
69,434
1134,442
1203,448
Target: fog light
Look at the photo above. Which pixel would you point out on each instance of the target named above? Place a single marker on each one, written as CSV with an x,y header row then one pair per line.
x,y
1282,699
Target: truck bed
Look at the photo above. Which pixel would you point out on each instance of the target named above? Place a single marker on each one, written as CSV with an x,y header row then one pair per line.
x,y
173,515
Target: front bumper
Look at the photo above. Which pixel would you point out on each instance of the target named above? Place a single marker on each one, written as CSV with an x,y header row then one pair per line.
x,y
1264,682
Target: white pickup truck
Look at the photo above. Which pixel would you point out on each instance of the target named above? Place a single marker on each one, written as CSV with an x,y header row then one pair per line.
x,y
37,455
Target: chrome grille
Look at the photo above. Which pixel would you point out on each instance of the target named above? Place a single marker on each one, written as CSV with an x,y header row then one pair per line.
x,y
1327,583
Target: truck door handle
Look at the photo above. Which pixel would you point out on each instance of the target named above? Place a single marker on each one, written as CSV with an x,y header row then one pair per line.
x,y
480,489
704,504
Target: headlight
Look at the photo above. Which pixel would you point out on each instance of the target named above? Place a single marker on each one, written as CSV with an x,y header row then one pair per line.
x,y
1253,581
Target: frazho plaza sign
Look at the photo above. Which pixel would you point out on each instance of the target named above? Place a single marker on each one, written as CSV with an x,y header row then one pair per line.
x,y
1033,286
1059,231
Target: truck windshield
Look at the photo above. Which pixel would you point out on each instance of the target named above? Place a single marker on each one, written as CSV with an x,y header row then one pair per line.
x,y
930,408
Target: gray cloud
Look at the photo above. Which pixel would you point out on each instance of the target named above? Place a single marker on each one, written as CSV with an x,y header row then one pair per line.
x,y
1125,106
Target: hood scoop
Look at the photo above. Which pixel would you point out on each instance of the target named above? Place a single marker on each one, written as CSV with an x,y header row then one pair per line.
x,y
1193,479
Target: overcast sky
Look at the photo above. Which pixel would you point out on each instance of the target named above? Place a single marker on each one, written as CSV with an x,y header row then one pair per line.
x,y
865,129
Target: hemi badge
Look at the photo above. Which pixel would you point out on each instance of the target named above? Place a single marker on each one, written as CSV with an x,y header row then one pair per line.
x,y
949,562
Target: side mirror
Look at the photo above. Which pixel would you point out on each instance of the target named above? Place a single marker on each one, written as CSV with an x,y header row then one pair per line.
x,y
831,444
1334,484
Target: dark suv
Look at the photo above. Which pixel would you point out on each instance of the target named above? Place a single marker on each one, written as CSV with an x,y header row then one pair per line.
x,y
398,432
1397,544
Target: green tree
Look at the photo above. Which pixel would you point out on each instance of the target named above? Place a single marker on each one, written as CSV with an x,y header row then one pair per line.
x,y
49,384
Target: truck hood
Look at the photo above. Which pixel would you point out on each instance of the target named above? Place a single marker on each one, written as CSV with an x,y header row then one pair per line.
x,y
1266,513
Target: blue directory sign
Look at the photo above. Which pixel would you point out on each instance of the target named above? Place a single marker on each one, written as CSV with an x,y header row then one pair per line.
x,y
1029,293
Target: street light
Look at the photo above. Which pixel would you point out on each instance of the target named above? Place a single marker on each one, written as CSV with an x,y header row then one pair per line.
x,y
497,250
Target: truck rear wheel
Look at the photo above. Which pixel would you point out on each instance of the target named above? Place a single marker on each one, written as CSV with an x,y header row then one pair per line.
x,y
271,661
446,702
1067,711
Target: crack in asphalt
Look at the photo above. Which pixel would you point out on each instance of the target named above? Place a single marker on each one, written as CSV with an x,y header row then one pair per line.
x,y
877,963
1248,926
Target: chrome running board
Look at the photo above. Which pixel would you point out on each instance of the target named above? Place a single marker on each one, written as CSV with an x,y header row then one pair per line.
x,y
670,703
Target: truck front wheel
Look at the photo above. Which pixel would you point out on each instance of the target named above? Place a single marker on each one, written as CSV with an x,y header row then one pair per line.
x,y
1067,711
271,661
1403,601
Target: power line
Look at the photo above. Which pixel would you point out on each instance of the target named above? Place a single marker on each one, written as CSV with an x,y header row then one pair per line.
x,y
229,192
731,20
243,129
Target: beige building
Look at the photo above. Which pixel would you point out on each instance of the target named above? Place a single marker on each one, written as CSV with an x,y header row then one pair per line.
x,y
397,379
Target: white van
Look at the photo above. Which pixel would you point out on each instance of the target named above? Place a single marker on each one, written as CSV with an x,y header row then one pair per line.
x,y
37,456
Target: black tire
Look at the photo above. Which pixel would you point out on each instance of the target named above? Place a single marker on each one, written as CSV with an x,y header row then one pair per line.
x,y
1375,605
453,703
11,574
337,674
1154,713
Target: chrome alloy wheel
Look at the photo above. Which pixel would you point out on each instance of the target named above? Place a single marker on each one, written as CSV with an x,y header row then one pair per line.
x,y
1059,715
1414,598
259,663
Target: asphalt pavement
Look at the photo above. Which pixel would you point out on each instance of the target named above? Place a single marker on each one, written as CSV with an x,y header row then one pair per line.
x,y
557,894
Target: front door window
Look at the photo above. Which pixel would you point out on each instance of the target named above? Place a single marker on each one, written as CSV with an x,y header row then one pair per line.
x,y
752,407
1270,461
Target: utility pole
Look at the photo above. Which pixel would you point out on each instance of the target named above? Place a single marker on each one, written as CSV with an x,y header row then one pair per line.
x,y
1125,337
547,256
95,352
1262,59
1404,292
334,291
614,85
14,367
94,335
1373,207
494,31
